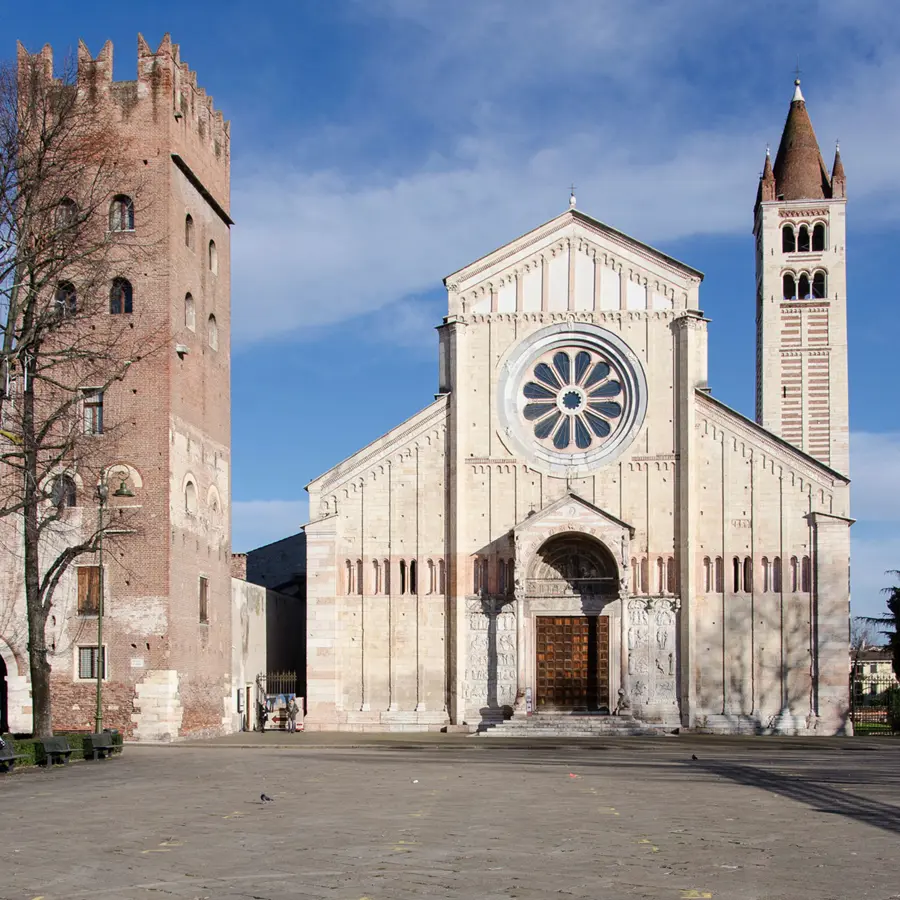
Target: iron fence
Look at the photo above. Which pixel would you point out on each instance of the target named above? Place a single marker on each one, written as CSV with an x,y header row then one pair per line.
x,y
874,701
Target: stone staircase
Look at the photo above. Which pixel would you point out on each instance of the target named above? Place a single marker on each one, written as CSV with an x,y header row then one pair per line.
x,y
569,725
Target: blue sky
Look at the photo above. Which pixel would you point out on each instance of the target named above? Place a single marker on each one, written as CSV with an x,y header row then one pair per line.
x,y
396,140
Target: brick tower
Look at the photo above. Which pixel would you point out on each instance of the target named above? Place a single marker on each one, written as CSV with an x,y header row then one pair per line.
x,y
801,311
167,626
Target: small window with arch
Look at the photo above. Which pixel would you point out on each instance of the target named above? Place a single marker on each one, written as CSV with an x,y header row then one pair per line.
x,y
212,332
213,258
190,498
65,300
789,286
121,213
63,493
189,231
804,288
818,237
788,239
121,297
66,214
819,285
803,239
190,313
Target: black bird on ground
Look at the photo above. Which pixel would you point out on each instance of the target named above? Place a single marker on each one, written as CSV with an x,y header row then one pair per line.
x,y
266,798
694,757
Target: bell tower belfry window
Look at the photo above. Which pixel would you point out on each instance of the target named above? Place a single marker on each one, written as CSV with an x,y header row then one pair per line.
x,y
801,311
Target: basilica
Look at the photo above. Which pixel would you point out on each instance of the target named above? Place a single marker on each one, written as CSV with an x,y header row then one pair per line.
x,y
576,525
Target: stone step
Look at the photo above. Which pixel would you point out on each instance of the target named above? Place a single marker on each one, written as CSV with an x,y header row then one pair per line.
x,y
550,725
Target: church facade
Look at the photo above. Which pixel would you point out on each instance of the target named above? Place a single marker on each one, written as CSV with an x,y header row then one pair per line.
x,y
576,524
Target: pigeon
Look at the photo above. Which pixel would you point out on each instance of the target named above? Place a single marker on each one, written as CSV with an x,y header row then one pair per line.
x,y
266,798
694,757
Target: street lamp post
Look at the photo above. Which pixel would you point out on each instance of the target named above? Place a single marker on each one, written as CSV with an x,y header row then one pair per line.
x,y
102,496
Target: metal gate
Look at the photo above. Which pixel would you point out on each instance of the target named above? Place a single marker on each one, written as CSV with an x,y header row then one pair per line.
x,y
874,703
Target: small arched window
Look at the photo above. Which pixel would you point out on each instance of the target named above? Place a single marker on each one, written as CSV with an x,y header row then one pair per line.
x,y
645,574
501,573
511,576
805,575
121,213
818,237
121,297
402,576
795,574
432,584
819,285
635,576
66,214
189,231
804,289
766,575
736,572
66,299
359,576
63,494
387,576
776,575
413,578
442,577
212,332
213,258
720,575
376,577
660,574
671,575
190,498
803,239
190,313
707,575
348,576
789,285
748,575
788,241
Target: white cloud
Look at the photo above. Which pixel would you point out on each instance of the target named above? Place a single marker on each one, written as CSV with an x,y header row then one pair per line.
x,y
521,104
258,522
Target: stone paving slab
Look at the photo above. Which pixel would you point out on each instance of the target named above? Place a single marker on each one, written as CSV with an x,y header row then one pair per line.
x,y
459,819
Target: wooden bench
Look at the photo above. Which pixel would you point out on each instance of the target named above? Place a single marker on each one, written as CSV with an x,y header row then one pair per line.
x,y
55,750
98,746
8,756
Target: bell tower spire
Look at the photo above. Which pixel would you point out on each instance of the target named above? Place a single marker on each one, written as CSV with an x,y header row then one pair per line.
x,y
801,354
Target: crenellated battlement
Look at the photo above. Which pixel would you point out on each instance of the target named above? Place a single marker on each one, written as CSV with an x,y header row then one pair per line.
x,y
165,92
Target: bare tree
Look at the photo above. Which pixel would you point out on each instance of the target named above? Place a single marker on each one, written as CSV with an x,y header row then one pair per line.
x,y
862,636
61,164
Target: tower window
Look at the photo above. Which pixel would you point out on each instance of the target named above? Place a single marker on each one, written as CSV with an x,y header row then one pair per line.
x,y
776,575
120,297
736,571
818,237
190,498
819,285
720,575
788,240
359,577
121,213
66,299
805,575
789,284
804,291
442,577
189,231
204,600
707,575
748,575
190,315
387,576
803,239
413,577
213,258
66,213
402,576
212,332
63,494
92,409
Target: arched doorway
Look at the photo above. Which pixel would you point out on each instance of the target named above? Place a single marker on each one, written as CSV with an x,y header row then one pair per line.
x,y
572,651
4,698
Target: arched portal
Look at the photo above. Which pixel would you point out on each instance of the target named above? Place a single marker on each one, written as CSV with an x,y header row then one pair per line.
x,y
572,652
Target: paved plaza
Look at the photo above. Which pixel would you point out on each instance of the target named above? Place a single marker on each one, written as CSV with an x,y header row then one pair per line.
x,y
459,817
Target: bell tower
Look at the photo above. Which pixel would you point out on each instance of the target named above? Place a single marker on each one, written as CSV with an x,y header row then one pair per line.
x,y
801,288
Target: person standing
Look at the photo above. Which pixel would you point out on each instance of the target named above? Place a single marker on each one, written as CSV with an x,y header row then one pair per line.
x,y
292,711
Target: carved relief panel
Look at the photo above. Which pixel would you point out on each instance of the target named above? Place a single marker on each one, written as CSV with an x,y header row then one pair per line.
x,y
652,651
490,654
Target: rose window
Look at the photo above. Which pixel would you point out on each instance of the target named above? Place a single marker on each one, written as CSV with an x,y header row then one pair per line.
x,y
571,400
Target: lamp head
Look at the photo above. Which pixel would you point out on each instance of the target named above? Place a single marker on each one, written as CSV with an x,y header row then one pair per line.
x,y
123,490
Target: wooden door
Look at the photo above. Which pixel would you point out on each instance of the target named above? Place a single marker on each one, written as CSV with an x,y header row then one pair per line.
x,y
572,662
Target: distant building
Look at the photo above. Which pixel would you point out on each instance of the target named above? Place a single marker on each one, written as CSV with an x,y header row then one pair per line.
x,y
873,672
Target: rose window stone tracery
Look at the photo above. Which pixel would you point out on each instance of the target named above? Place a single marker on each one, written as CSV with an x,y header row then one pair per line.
x,y
571,400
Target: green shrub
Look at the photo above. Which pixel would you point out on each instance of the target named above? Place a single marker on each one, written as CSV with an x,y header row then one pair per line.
x,y
32,751
893,704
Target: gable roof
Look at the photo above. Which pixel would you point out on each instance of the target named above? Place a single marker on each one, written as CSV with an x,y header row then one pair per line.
x,y
568,217
764,432
569,497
